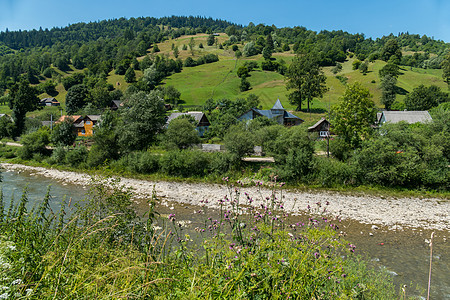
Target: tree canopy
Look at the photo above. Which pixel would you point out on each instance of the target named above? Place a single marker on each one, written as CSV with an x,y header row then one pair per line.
x,y
306,80
143,118
424,98
23,99
352,118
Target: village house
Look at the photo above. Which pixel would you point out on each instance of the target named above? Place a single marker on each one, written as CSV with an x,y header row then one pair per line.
x,y
84,125
410,117
322,127
202,122
277,113
49,102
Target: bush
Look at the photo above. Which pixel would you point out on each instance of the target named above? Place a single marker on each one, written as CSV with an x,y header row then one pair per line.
x,y
142,162
58,155
77,156
180,134
35,143
333,173
184,163
221,163
340,149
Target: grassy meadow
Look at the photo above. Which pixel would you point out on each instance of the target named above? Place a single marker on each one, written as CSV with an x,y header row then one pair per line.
x,y
219,80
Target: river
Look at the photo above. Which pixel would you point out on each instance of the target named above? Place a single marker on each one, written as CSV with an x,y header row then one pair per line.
x,y
403,252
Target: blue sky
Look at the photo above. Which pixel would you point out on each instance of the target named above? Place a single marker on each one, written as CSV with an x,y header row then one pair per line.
x,y
373,18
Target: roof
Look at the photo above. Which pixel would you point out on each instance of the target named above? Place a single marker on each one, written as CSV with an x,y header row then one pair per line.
x,y
94,117
408,116
318,123
278,105
117,103
66,117
197,115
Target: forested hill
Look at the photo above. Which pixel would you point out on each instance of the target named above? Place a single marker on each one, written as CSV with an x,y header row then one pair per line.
x,y
96,49
85,32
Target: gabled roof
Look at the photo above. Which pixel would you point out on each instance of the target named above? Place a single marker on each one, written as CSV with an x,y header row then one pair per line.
x,y
318,123
408,116
197,115
278,105
66,117
94,117
117,103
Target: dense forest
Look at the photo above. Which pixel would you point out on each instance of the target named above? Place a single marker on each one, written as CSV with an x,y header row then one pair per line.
x,y
104,45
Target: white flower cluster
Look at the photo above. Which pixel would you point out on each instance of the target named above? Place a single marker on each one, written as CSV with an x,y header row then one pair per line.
x,y
8,288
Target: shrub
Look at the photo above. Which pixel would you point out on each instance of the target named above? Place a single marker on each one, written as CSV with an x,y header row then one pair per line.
x,y
77,156
59,155
180,134
184,163
34,143
142,162
333,173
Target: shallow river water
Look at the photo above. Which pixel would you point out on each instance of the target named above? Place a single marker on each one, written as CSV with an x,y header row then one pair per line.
x,y
404,253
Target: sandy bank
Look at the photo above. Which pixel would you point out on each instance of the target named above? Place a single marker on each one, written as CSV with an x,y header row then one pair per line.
x,y
427,213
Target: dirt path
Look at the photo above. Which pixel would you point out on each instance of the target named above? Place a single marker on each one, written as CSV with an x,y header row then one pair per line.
x,y
396,213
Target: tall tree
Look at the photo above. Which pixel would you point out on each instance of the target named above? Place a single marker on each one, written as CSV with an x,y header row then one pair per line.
x,y
64,134
306,80
76,98
23,99
130,75
388,86
143,119
391,48
210,40
446,69
353,116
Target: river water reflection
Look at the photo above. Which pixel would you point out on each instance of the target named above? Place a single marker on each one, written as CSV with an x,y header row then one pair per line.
x,y
404,253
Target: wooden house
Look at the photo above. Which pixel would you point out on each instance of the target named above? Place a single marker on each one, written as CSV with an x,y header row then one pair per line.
x,y
322,127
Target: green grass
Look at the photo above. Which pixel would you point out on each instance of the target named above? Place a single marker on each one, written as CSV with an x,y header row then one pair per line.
x,y
219,80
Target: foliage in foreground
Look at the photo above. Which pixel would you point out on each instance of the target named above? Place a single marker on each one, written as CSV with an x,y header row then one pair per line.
x,y
101,250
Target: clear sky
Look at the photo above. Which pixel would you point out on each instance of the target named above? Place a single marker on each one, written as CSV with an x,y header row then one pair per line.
x,y
373,18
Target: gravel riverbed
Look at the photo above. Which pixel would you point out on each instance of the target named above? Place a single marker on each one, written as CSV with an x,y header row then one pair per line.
x,y
395,213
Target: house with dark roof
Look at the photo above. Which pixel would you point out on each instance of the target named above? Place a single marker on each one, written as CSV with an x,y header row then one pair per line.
x,y
277,113
410,117
49,102
202,122
322,127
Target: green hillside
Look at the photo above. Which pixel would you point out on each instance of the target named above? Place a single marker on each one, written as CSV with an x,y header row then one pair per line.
x,y
219,80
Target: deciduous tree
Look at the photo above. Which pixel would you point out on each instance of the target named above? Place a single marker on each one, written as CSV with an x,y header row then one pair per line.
x,y
143,119
23,99
76,98
353,116
305,79
424,98
388,87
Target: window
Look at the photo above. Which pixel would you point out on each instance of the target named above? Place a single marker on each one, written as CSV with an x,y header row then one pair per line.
x,y
323,133
88,122
83,131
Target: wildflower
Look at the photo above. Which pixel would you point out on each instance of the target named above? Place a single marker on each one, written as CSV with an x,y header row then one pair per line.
x,y
316,255
16,282
172,217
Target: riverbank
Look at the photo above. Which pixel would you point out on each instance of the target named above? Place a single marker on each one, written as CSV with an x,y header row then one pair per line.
x,y
395,213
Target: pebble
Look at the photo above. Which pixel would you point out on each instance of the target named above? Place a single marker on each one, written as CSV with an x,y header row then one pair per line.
x,y
395,213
